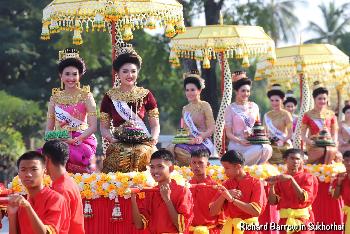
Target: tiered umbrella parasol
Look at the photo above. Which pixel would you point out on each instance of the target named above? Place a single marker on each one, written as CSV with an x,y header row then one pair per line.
x,y
119,17
303,64
222,42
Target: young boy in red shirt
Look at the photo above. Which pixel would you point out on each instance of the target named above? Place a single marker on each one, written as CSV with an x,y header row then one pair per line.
x,y
45,210
242,197
294,192
168,209
203,189
342,189
57,154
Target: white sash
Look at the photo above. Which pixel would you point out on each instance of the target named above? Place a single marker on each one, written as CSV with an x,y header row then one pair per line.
x,y
194,131
64,116
319,123
273,130
124,111
246,119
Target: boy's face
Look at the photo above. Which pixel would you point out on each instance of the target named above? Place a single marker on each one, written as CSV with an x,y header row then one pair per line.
x,y
346,162
294,162
231,170
198,165
31,173
161,169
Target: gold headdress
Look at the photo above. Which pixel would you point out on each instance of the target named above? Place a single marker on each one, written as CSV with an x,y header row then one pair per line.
x,y
68,53
71,53
239,74
317,84
290,94
127,49
195,74
276,87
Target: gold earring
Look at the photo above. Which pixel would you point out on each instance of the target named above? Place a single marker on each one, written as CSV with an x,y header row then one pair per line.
x,y
62,85
78,84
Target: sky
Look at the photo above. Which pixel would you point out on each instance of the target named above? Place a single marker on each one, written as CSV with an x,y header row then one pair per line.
x,y
306,13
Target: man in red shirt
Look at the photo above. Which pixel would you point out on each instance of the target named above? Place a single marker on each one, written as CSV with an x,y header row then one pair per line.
x,y
203,190
242,197
342,189
45,211
168,209
294,193
57,154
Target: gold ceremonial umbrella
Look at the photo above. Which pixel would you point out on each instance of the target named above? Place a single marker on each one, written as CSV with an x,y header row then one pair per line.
x,y
317,61
203,43
119,17
303,64
127,15
234,41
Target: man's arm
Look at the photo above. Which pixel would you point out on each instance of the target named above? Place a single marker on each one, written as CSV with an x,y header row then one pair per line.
x,y
273,198
37,225
136,216
216,207
165,194
338,185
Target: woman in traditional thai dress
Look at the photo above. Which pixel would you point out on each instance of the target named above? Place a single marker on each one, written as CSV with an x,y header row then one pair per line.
x,y
290,104
74,109
344,131
278,124
119,105
240,117
199,121
314,121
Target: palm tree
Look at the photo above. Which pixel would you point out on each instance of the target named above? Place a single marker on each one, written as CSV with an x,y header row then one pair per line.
x,y
334,25
278,19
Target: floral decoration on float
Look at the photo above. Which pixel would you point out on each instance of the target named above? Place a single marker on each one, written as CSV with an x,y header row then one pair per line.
x,y
112,185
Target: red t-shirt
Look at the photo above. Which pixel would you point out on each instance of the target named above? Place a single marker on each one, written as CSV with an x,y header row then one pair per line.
x,y
252,192
202,197
69,189
155,212
52,210
345,190
288,197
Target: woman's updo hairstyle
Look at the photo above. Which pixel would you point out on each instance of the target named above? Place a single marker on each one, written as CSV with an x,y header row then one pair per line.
x,y
276,90
290,98
126,55
345,108
193,77
239,78
70,58
318,89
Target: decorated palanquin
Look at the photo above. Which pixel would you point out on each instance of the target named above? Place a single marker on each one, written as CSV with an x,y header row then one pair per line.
x,y
117,108
107,207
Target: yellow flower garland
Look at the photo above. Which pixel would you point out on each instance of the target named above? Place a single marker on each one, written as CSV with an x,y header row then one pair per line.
x,y
111,185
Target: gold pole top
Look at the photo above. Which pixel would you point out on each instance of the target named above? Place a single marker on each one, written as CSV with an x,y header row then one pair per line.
x,y
221,19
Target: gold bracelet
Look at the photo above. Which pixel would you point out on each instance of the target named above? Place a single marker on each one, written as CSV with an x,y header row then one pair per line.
x,y
51,116
154,113
105,118
93,113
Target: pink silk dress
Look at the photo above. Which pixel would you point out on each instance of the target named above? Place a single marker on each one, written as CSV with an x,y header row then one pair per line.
x,y
79,155
253,154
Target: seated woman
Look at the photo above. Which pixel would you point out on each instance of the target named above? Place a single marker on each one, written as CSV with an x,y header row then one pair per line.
x,y
199,120
290,104
74,109
278,124
316,120
344,131
121,104
240,117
